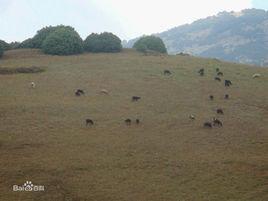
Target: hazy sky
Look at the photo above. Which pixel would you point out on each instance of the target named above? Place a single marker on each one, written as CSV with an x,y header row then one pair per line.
x,y
20,19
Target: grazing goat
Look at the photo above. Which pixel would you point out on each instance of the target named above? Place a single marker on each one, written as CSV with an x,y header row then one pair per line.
x,y
79,92
201,71
33,85
219,111
256,75
211,97
220,73
227,83
226,96
217,122
207,125
192,117
217,78
128,121
104,91
167,72
135,98
89,122
137,121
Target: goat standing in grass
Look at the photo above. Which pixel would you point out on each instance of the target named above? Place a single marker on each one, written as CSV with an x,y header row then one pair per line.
x,y
33,85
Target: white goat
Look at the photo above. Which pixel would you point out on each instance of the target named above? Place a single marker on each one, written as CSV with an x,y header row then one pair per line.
x,y
256,75
33,85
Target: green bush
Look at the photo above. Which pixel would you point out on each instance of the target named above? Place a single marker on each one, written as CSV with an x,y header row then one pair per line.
x,y
28,43
5,45
14,45
63,41
43,33
150,43
104,42
1,50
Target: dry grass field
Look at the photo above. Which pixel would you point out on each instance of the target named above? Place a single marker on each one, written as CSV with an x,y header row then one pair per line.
x,y
167,157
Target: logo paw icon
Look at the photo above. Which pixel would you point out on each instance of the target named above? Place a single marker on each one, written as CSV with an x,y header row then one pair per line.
x,y
28,186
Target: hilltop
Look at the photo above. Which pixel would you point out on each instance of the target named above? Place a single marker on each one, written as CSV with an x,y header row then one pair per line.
x,y
44,139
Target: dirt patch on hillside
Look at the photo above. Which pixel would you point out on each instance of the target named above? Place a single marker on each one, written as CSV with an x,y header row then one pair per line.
x,y
32,69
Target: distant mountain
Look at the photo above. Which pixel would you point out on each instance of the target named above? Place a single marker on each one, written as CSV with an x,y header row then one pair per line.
x,y
233,36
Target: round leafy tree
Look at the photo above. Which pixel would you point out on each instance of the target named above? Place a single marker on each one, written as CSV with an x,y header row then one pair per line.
x,y
151,43
43,33
63,41
104,42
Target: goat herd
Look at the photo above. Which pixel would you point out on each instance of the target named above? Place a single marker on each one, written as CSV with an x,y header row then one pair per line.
x,y
215,121
208,124
227,83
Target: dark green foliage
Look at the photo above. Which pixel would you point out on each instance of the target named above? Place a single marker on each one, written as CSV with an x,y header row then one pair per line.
x,y
42,34
28,43
1,50
104,42
63,41
14,45
150,43
5,45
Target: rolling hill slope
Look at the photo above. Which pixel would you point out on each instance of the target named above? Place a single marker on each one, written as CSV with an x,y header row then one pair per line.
x,y
44,139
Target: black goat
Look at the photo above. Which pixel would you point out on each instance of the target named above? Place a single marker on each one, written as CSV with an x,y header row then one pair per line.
x,y
217,122
167,72
220,73
89,122
219,111
135,98
207,125
128,121
217,79
227,83
201,71
211,97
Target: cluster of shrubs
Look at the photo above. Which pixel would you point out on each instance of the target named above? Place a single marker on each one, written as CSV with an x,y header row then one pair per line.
x,y
64,40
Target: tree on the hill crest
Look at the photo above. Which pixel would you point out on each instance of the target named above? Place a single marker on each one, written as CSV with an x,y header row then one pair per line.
x,y
150,43
104,42
63,41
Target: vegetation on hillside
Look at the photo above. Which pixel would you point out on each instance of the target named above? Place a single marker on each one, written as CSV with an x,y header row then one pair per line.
x,y
1,50
63,41
4,45
14,45
150,43
104,42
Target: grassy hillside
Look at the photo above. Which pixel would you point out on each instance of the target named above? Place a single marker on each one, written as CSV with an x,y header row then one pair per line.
x,y
168,157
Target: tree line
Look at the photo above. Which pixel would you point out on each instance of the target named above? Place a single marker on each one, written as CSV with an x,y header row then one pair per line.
x,y
64,40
